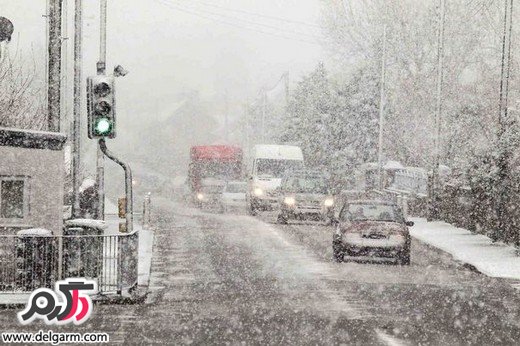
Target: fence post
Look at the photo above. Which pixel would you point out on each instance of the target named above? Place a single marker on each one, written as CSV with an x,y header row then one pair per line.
x,y
34,252
146,211
128,262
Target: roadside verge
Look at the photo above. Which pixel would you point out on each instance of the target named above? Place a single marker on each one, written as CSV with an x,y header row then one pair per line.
x,y
475,250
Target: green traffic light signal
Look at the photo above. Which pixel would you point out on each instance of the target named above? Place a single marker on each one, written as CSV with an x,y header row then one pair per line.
x,y
103,126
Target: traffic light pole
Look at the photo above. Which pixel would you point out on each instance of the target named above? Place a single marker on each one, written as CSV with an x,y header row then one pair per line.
x,y
76,121
128,184
54,66
101,70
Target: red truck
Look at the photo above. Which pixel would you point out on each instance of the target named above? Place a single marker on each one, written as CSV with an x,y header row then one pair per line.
x,y
211,166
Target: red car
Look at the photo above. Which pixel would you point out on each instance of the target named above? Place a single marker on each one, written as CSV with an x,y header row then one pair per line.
x,y
366,229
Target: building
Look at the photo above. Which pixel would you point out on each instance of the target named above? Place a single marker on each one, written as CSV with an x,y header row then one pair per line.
x,y
32,173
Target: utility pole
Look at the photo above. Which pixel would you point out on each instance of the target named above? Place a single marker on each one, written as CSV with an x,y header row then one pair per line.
x,y
47,16
503,124
247,130
435,181
287,91
382,112
264,101
101,70
65,69
226,118
76,120
54,67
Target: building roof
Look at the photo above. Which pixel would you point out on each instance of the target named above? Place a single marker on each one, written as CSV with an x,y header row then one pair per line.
x,y
31,139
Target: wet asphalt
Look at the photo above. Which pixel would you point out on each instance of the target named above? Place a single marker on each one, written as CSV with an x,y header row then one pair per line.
x,y
237,279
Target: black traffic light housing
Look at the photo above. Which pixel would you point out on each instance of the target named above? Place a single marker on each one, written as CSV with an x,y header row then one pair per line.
x,y
101,107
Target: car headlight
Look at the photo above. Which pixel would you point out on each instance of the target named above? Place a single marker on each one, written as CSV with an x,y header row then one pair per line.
x,y
289,200
329,202
200,196
258,191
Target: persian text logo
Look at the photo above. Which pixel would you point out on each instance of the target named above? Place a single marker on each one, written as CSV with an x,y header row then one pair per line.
x,y
69,302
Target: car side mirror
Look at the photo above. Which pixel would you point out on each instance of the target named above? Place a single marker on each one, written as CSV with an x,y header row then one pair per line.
x,y
409,223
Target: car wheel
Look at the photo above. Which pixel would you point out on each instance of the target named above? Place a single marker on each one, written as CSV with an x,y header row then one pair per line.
x,y
404,257
281,219
251,210
338,254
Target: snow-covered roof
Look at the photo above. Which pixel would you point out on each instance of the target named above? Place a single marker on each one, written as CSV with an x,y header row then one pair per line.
x,y
391,165
87,223
278,152
88,182
34,232
31,139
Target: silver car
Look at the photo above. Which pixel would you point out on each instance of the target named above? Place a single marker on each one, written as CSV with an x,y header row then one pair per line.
x,y
371,228
305,196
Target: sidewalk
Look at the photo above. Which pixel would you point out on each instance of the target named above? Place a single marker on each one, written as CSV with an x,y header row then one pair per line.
x,y
492,259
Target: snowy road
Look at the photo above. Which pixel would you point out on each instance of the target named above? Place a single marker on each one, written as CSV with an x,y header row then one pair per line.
x,y
230,279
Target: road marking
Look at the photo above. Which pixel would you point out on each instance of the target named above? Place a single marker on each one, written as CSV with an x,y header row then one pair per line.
x,y
389,339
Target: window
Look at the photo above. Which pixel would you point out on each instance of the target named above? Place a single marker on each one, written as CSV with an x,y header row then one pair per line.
x,y
276,168
306,185
13,197
371,212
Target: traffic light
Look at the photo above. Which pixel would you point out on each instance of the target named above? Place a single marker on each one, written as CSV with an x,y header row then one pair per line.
x,y
101,107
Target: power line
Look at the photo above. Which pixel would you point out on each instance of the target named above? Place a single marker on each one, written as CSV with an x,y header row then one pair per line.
x,y
194,13
286,20
246,21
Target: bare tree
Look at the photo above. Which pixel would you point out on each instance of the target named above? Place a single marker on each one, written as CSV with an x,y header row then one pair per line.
x,y
22,93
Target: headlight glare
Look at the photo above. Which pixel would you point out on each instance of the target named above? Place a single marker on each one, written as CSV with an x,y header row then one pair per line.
x,y
258,191
289,200
329,202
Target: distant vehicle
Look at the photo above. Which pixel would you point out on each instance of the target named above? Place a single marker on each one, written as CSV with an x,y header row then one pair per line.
x,y
210,167
371,228
209,195
367,175
234,196
305,195
268,165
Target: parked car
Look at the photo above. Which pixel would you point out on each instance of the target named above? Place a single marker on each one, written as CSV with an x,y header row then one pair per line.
x,y
365,229
234,196
305,195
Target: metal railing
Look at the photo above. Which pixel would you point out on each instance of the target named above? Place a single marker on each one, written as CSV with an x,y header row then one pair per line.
x,y
30,262
27,263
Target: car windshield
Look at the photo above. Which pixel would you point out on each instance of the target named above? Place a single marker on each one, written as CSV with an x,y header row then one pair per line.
x,y
276,168
306,185
371,212
236,188
211,189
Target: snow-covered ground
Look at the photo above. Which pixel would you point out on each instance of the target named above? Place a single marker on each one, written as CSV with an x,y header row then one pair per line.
x,y
493,259
145,257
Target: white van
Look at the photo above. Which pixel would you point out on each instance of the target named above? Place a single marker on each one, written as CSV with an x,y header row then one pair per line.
x,y
267,166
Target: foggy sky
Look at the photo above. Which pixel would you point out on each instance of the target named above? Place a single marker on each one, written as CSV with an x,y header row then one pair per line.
x,y
167,50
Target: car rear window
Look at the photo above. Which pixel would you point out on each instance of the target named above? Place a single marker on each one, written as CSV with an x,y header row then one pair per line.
x,y
371,212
